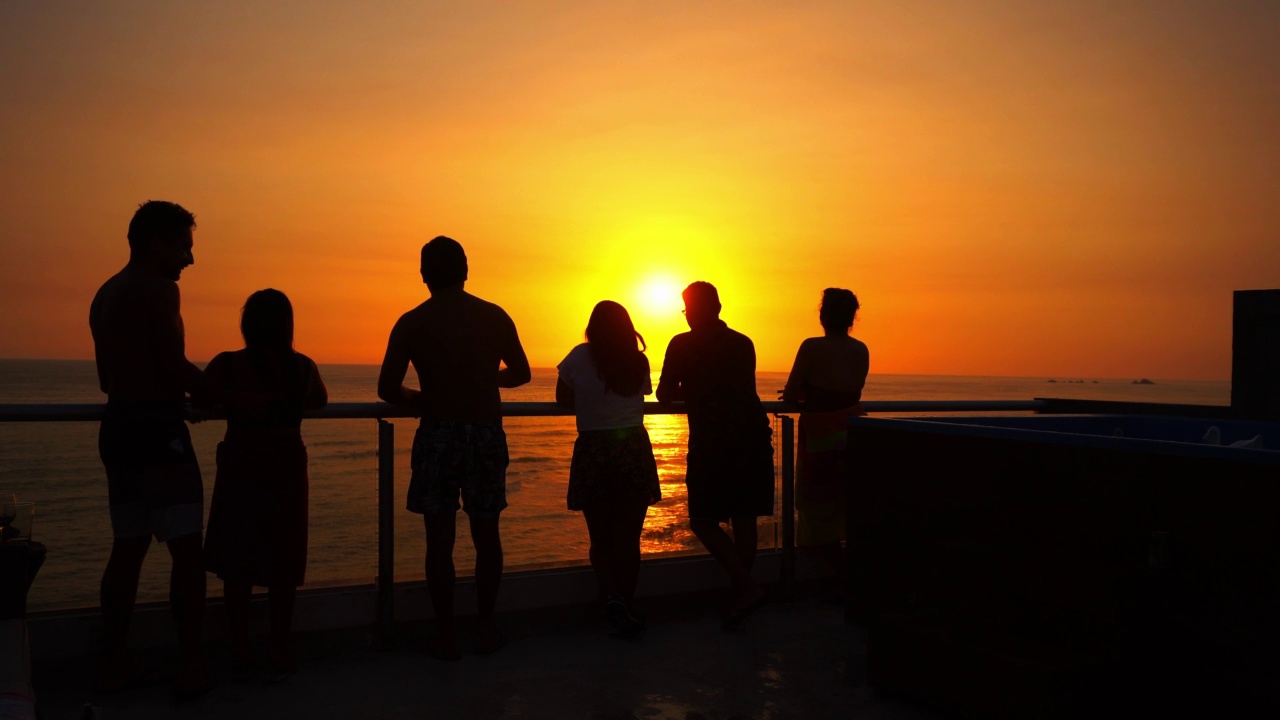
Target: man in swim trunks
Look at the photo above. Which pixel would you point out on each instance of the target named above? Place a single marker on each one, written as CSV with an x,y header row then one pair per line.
x,y
458,345
153,481
729,469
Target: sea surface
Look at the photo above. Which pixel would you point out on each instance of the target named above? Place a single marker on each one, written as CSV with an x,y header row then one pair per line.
x,y
57,466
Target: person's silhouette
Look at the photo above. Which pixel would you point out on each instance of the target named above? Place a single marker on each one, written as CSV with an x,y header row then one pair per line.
x,y
730,462
613,478
258,517
827,377
153,481
458,345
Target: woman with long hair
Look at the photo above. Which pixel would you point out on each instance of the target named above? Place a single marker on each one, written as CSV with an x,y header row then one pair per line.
x,y
257,532
613,478
827,379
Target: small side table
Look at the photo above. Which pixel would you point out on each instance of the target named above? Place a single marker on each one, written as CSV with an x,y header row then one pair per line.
x,y
19,563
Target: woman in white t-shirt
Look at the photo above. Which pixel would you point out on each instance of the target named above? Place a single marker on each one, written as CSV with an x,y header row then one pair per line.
x,y
613,478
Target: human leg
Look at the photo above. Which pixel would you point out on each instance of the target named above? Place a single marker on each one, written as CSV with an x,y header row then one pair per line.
x,y
489,561
236,597
626,525
117,595
441,531
280,655
186,599
722,548
599,529
745,539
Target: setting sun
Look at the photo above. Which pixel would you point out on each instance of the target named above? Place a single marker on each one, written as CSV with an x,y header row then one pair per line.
x,y
660,296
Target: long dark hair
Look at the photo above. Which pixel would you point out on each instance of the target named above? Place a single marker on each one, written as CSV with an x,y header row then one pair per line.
x,y
617,348
266,322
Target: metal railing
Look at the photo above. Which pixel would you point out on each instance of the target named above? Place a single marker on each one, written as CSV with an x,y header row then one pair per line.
x,y
382,412
92,412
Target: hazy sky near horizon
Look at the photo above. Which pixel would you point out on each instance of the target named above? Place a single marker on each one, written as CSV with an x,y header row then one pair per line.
x,y
1011,188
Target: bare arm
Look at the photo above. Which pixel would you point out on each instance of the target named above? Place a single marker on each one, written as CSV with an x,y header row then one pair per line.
x,y
317,395
564,394
171,346
794,390
669,383
394,366
862,365
215,371
516,372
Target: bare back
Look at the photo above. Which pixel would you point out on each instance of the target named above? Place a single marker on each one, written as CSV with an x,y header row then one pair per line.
x,y
457,344
138,337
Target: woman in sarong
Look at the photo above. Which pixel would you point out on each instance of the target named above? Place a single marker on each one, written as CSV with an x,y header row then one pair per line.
x,y
827,379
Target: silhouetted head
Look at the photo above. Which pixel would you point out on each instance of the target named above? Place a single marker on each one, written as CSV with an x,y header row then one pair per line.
x,y
266,322
160,237
444,264
839,307
616,347
701,305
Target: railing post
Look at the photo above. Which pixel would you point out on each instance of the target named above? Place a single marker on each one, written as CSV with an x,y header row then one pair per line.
x,y
788,570
386,527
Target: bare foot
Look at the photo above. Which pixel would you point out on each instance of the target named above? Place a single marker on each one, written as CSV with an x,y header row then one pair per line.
x,y
193,682
442,648
121,674
746,602
489,641
280,665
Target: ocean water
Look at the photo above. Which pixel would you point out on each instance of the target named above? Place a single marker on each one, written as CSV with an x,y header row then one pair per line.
x,y
56,465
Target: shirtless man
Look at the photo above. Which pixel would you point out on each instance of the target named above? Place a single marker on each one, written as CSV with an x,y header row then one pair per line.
x,y
153,482
458,344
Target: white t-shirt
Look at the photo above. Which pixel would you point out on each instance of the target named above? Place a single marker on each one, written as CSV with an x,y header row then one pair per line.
x,y
597,408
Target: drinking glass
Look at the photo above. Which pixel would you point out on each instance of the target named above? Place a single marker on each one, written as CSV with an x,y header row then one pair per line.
x,y
8,509
20,522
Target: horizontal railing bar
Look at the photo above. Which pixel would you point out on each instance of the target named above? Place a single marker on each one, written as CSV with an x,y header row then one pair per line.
x,y
379,410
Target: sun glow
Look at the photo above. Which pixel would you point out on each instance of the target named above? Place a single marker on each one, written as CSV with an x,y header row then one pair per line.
x,y
659,296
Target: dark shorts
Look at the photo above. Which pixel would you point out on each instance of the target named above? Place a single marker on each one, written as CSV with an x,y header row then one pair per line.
x,y
727,482
453,459
153,479
613,466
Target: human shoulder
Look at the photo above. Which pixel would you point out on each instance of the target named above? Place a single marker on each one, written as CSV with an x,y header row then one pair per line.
x,y
578,352
491,309
305,362
226,356
859,347
740,340
413,318
220,366
680,342
577,359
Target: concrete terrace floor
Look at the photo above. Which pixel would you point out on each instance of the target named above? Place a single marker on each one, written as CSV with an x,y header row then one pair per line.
x,y
793,660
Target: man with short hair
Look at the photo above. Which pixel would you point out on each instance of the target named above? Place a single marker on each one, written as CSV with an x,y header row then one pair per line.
x,y
459,345
729,468
153,481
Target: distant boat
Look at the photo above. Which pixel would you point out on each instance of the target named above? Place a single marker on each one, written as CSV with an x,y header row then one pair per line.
x,y
1143,381
1052,380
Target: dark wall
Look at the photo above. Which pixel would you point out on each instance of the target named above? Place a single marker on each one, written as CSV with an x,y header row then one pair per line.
x,y
1012,574
1255,354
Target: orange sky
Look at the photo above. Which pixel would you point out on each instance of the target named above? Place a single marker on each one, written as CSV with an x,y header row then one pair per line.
x,y
1012,188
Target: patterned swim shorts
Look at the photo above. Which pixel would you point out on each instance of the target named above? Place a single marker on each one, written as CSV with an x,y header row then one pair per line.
x,y
453,459
153,480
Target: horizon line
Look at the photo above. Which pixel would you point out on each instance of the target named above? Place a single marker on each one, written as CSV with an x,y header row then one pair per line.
x,y
758,370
